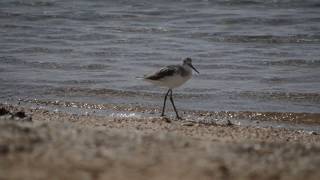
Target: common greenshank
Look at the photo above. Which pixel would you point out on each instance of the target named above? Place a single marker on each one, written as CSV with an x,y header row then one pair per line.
x,y
172,77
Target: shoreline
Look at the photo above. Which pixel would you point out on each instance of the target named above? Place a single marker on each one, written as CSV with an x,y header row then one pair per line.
x,y
302,121
94,147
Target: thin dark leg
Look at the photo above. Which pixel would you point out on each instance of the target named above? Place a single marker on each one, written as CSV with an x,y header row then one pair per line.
x,y
164,102
174,107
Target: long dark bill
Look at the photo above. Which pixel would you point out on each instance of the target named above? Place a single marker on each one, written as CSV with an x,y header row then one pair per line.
x,y
194,68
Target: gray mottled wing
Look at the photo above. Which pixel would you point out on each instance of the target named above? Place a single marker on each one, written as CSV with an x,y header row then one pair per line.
x,y
166,71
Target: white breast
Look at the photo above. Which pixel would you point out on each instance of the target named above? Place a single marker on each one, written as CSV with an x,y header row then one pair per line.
x,y
171,81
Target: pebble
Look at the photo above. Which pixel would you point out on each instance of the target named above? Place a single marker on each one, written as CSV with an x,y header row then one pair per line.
x,y
6,117
20,114
26,119
167,120
188,124
4,149
313,133
17,116
3,111
229,123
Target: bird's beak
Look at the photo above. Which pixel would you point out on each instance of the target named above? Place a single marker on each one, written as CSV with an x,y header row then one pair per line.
x,y
194,68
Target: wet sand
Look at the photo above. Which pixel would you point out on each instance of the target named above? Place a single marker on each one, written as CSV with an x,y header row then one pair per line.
x,y
54,145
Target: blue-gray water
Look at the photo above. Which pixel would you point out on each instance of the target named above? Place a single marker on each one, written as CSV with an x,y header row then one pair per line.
x,y
253,55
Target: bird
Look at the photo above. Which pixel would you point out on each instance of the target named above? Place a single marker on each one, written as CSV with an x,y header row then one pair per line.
x,y
171,77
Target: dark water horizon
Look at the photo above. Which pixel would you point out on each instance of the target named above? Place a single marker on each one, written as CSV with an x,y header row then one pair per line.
x,y
253,55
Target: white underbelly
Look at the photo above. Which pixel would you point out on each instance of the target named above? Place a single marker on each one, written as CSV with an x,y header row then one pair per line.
x,y
170,81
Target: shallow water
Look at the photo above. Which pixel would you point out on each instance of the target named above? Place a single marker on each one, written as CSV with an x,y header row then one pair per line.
x,y
252,55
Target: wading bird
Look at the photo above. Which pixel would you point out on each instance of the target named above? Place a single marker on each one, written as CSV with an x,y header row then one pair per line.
x,y
172,77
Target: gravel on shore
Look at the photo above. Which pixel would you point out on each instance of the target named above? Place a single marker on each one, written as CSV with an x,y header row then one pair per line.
x,y
40,144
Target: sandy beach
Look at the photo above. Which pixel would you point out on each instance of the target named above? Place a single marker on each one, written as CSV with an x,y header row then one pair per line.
x,y
72,105
41,144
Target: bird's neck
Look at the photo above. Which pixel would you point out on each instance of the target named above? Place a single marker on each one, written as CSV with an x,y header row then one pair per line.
x,y
187,68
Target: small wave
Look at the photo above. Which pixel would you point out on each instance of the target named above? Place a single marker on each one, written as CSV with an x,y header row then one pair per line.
x,y
82,82
283,96
290,62
272,39
266,39
36,3
224,66
15,26
129,92
265,96
206,116
261,21
92,15
226,78
274,3
294,80
52,65
31,17
42,50
94,67
66,15
104,53
103,92
308,118
81,37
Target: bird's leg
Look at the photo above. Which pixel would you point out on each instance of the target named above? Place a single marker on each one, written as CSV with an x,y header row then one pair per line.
x,y
164,102
174,107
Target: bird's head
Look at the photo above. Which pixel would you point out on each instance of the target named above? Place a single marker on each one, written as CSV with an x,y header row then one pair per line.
x,y
188,61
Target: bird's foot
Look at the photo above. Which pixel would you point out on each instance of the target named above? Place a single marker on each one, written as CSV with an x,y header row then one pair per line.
x,y
179,118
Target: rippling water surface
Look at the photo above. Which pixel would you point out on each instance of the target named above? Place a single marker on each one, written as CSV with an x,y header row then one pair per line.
x,y
252,55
